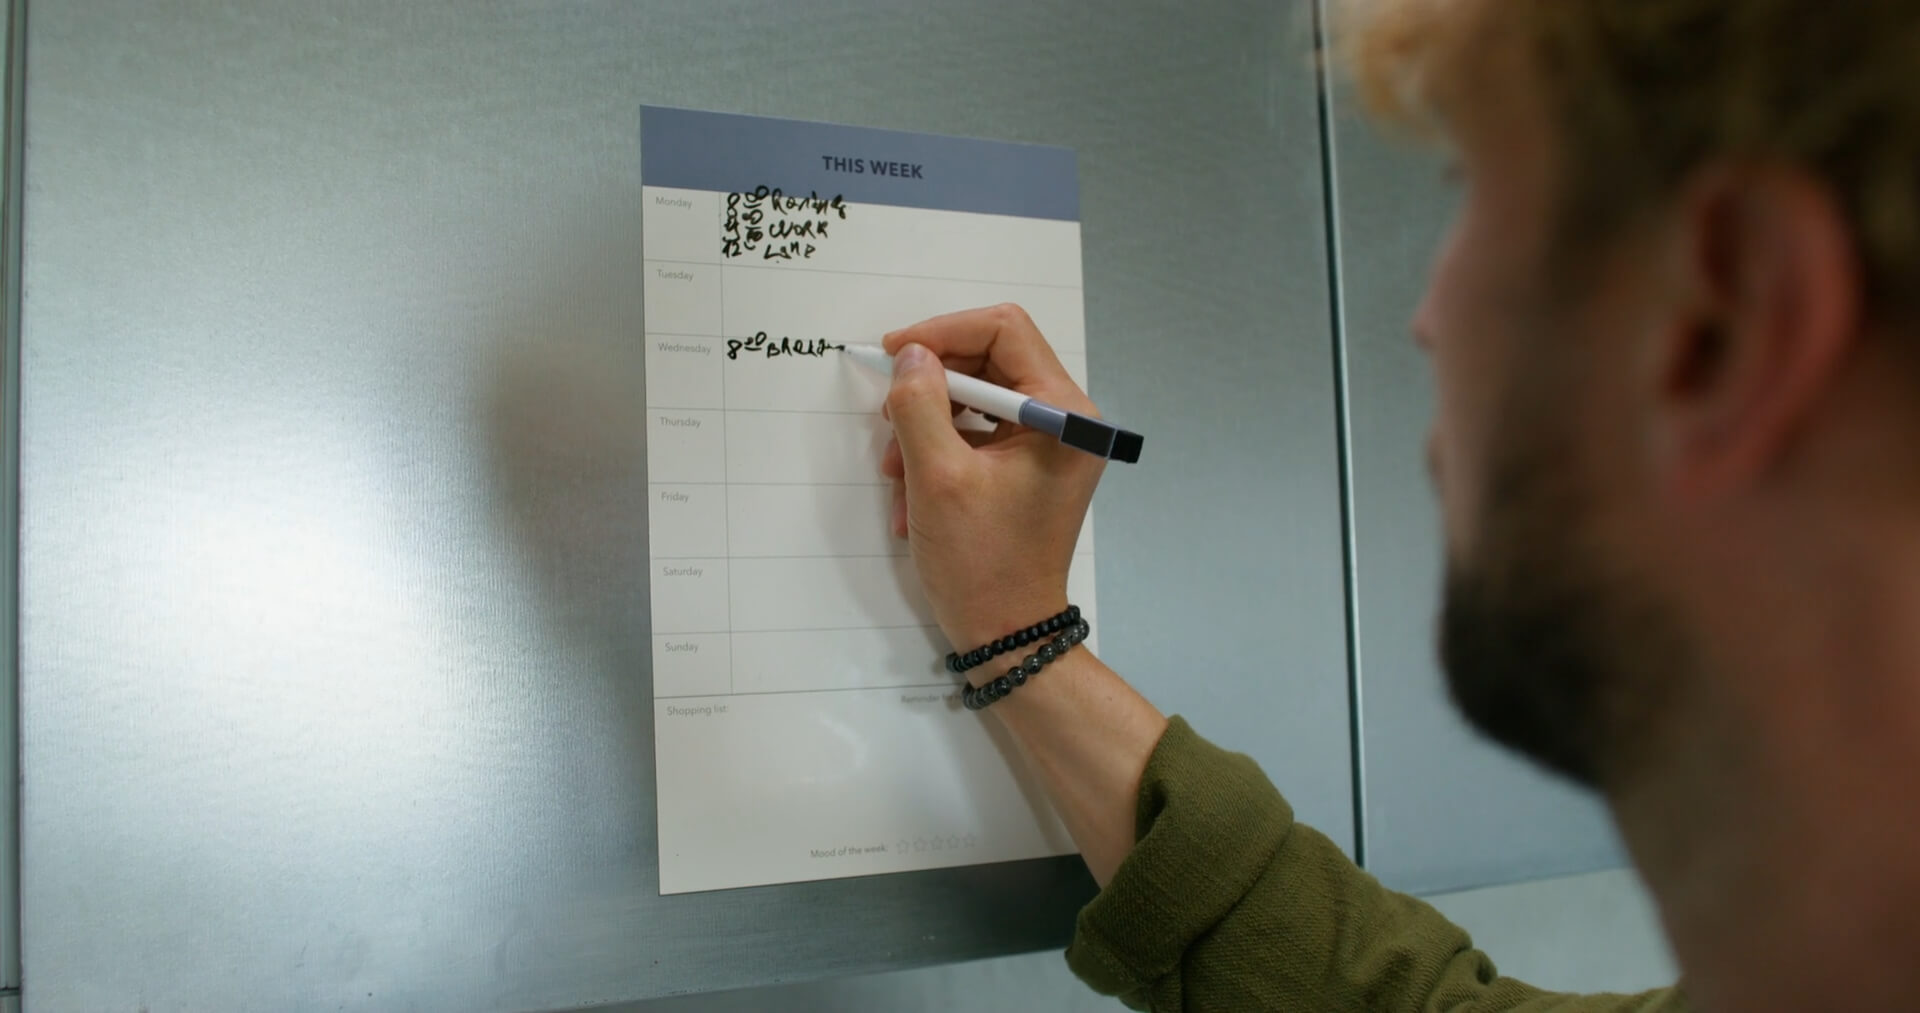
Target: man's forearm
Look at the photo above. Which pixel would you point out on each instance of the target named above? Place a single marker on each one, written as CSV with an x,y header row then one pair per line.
x,y
1087,735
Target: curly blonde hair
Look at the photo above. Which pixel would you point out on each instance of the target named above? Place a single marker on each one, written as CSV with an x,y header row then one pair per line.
x,y
1645,92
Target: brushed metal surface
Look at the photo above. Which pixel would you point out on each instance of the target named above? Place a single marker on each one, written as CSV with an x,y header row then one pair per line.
x,y
10,205
1034,981
1442,809
334,654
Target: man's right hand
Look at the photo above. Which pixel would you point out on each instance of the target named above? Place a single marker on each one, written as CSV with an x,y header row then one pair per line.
x,y
991,522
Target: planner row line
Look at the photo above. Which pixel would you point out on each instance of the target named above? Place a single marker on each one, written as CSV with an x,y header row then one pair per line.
x,y
715,300
801,593
693,372
753,521
798,661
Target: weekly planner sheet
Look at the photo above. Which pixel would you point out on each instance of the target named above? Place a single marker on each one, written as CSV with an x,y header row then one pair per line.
x,y
804,724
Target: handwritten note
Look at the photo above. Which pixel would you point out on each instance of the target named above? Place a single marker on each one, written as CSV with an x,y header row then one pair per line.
x,y
762,344
777,226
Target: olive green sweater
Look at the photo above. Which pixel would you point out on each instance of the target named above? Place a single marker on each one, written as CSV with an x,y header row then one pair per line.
x,y
1227,904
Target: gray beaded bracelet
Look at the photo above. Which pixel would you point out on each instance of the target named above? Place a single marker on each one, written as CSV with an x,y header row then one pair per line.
x,y
979,697
1039,631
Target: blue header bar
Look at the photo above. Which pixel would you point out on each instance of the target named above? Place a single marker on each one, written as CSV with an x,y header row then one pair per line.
x,y
730,153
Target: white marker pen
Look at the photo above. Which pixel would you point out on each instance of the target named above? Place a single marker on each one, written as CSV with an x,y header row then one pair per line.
x,y
1075,430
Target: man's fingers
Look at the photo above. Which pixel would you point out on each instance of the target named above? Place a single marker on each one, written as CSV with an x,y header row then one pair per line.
x,y
891,464
1003,339
886,412
897,515
922,420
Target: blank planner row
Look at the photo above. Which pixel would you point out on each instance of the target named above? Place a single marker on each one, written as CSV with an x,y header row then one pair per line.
x,y
805,624
751,521
800,593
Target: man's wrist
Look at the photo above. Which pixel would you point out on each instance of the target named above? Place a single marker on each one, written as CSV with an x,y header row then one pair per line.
x,y
1005,620
1007,624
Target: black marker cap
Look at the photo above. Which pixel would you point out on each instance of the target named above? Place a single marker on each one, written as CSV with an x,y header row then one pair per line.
x,y
1091,435
1126,446
1097,437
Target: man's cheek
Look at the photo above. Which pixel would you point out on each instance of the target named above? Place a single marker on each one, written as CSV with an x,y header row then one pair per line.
x,y
1443,497
1455,463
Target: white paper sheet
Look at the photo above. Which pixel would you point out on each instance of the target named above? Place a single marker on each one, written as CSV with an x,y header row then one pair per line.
x,y
805,727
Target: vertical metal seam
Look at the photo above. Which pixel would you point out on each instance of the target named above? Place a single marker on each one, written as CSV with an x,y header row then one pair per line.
x,y
11,206
1343,423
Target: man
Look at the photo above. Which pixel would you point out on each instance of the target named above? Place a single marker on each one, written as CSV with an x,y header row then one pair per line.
x,y
1676,336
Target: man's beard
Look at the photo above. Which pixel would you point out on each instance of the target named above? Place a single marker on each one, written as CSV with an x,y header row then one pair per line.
x,y
1549,649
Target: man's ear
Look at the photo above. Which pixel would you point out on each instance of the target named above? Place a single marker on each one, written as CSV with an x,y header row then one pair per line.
x,y
1770,306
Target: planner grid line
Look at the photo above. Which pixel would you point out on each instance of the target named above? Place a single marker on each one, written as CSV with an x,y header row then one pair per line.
x,y
1066,353
873,274
792,692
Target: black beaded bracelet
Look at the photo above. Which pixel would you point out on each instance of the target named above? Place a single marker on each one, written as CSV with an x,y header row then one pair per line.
x,y
1039,631
979,697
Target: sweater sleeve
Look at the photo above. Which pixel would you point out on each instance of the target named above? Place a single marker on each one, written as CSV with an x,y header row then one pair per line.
x,y
1225,903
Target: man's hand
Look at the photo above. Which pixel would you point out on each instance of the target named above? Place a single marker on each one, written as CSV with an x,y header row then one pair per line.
x,y
991,522
992,525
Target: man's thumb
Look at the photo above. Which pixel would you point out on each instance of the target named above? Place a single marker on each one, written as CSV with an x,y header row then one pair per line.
x,y
918,405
